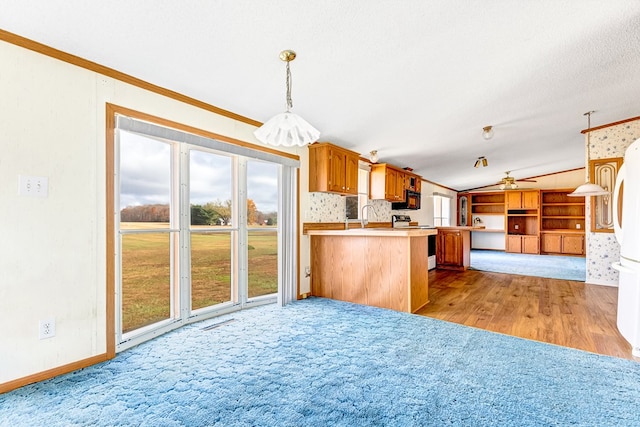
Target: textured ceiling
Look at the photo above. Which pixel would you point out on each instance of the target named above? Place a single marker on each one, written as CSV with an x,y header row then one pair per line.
x,y
416,80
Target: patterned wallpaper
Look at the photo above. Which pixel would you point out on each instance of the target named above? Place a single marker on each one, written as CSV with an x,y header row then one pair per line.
x,y
328,207
602,248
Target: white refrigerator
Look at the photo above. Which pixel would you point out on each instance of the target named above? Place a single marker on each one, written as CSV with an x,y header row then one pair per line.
x,y
627,232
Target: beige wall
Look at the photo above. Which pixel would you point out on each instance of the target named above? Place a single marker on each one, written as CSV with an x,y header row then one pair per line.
x,y
52,256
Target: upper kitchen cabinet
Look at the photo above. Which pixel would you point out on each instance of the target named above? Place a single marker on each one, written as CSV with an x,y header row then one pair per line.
x,y
332,169
529,199
387,182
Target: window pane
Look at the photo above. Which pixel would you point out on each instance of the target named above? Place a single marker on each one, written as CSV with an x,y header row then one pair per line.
x,y
210,268
145,181
210,189
263,262
146,279
262,222
210,186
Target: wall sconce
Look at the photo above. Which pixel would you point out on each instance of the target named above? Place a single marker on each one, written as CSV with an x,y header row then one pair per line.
x,y
487,132
481,161
373,156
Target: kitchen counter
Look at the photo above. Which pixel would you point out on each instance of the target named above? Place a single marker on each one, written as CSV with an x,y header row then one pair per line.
x,y
389,232
463,227
381,267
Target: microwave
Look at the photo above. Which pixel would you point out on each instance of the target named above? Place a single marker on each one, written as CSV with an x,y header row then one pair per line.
x,y
411,202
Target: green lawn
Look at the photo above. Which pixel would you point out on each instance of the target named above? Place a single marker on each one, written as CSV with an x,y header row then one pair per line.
x,y
146,280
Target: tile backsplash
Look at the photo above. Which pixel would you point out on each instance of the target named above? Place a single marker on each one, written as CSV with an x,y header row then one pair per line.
x,y
328,207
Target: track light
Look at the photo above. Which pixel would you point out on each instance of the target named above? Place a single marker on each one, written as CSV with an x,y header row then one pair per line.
x,y
481,161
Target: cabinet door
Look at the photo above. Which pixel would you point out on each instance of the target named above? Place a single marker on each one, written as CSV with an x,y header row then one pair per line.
x,y
530,245
463,210
573,244
351,174
530,199
513,199
551,243
450,247
337,169
400,185
390,181
514,244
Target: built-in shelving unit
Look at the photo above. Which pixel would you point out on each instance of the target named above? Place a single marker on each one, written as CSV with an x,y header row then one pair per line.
x,y
562,223
522,210
487,203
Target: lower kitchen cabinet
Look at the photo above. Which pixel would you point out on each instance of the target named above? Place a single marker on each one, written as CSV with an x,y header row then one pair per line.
x,y
522,244
563,243
453,249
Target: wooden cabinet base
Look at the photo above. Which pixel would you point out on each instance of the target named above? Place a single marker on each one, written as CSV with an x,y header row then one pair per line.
x,y
381,271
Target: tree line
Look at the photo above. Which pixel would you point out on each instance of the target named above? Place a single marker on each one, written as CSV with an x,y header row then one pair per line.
x,y
212,213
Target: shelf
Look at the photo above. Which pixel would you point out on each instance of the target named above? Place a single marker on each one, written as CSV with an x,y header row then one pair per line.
x,y
562,217
517,214
562,230
488,204
488,230
489,213
563,204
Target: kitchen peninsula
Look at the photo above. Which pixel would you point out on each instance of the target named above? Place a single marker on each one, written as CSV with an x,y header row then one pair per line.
x,y
382,267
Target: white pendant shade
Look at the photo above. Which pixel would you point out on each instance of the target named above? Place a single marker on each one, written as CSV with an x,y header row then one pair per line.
x,y
589,189
288,130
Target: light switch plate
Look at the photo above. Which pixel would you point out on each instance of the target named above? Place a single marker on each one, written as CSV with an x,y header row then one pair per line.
x,y
33,186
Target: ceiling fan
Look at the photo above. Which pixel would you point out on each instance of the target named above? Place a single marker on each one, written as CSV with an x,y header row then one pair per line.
x,y
509,182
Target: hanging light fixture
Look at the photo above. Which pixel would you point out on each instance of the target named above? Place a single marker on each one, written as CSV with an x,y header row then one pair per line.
x,y
373,156
287,129
588,188
487,132
481,161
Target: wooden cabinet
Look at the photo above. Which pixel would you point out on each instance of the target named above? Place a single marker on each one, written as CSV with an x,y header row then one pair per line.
x,y
522,221
453,249
412,182
522,244
563,243
522,199
332,169
386,182
562,222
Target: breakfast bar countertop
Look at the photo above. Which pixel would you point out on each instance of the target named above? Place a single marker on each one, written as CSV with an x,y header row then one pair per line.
x,y
377,232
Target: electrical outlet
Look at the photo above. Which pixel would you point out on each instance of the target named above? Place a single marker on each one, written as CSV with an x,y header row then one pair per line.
x,y
578,226
517,227
47,328
33,186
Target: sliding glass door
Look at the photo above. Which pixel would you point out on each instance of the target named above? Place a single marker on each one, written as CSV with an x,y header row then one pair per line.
x,y
199,229
147,234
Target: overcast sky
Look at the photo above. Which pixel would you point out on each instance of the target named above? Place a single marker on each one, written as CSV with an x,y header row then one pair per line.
x,y
145,175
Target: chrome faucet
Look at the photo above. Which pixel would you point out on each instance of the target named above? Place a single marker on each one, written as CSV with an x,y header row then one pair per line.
x,y
363,221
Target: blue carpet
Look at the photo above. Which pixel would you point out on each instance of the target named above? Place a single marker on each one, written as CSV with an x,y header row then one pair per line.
x,y
319,362
550,266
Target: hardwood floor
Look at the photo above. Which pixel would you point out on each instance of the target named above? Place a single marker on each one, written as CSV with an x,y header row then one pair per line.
x,y
563,312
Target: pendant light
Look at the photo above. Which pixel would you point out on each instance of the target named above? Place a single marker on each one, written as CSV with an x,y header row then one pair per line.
x,y
287,129
588,188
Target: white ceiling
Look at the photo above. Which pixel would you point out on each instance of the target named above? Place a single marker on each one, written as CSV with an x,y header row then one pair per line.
x,y
414,79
